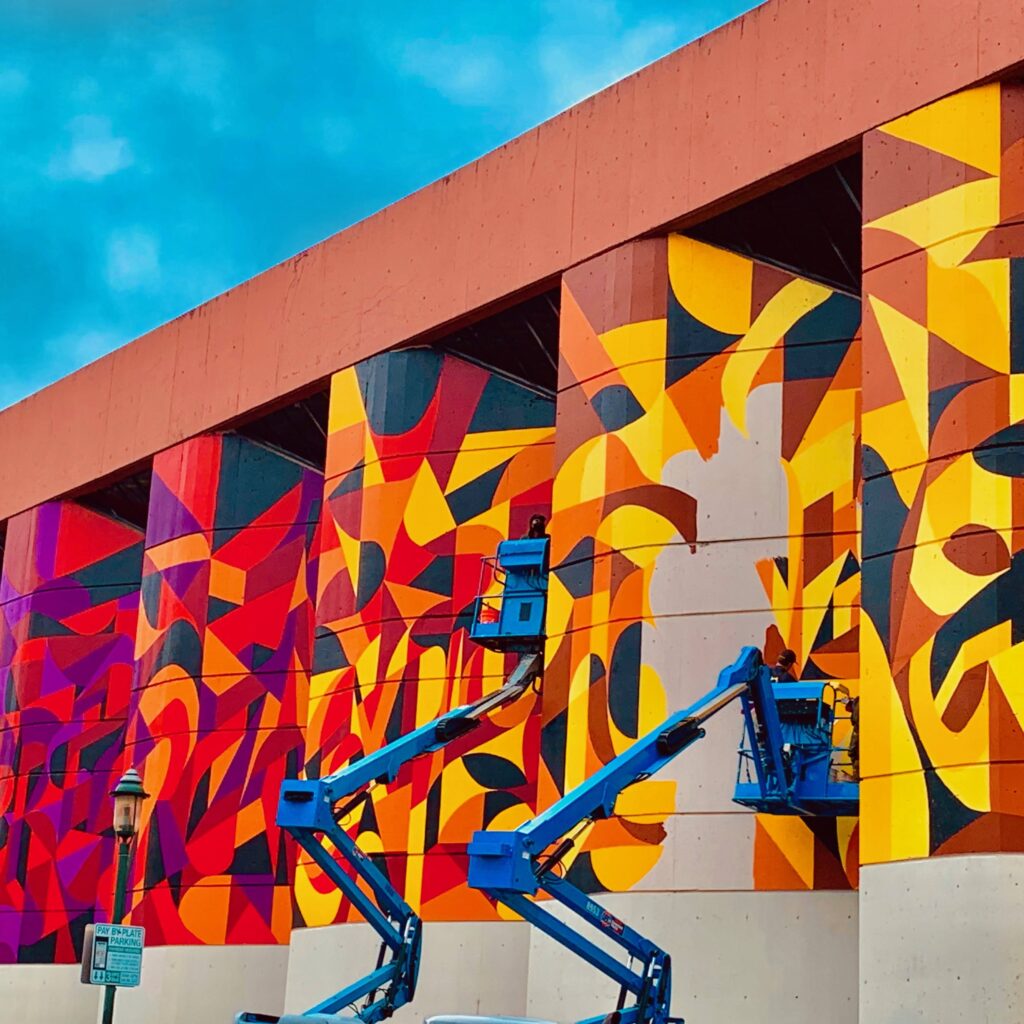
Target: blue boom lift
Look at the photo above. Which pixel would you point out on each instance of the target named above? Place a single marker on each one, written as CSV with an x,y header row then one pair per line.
x,y
511,621
787,766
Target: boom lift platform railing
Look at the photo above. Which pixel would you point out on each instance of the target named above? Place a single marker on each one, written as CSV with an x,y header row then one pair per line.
x,y
787,777
309,809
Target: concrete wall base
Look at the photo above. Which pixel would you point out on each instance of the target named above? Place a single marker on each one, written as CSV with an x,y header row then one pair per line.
x,y
203,985
942,941
46,993
467,967
756,957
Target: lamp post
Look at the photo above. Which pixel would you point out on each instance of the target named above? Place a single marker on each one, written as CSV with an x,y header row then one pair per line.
x,y
128,795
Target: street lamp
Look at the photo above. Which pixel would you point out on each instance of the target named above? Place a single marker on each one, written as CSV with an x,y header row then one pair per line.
x,y
128,795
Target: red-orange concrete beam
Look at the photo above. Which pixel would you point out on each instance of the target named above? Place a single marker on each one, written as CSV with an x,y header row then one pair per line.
x,y
788,81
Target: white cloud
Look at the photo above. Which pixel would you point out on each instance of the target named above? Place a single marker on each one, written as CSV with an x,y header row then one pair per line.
x,y
194,68
463,73
55,358
94,152
200,73
572,72
76,348
133,260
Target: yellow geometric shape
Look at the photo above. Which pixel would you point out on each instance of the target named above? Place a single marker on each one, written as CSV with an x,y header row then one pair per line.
x,y
656,797
825,464
431,692
427,515
889,747
712,285
512,439
781,312
944,746
894,818
655,437
964,126
193,547
637,532
956,214
892,432
346,406
621,867
638,350
1008,669
969,308
906,342
593,478
317,908
652,702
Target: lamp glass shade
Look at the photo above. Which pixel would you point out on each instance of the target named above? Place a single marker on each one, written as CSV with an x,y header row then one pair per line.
x,y
126,813
128,795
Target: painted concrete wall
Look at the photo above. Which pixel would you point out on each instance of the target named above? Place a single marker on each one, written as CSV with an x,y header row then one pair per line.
x,y
69,599
684,370
431,462
942,800
222,667
944,291
708,457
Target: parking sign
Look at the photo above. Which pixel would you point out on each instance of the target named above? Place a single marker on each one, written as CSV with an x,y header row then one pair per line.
x,y
112,954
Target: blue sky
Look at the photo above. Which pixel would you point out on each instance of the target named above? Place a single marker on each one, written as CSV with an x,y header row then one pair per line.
x,y
156,152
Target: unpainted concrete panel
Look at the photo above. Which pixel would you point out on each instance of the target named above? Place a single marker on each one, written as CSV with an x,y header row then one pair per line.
x,y
704,852
763,958
741,490
470,967
46,994
942,941
715,579
204,984
688,653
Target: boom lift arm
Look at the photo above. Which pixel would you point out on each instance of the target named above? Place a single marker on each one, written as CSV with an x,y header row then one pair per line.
x,y
512,866
313,808
310,808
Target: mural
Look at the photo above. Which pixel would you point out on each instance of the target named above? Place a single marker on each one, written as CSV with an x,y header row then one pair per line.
x,y
944,479
69,599
223,652
431,462
644,403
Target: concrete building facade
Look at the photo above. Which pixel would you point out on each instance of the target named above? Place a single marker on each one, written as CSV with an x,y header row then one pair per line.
x,y
748,327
